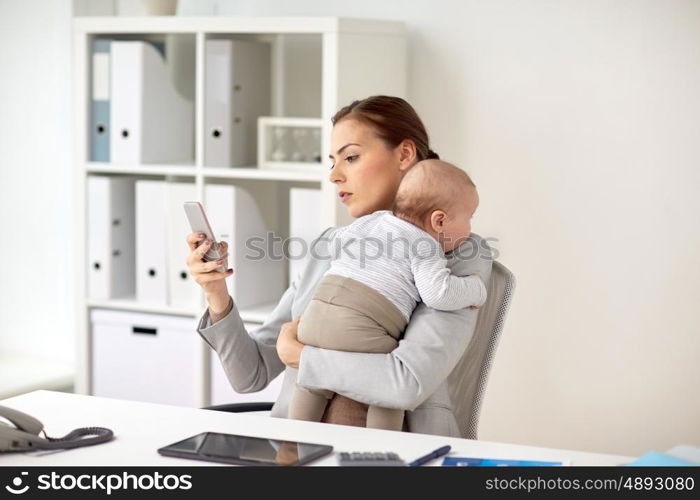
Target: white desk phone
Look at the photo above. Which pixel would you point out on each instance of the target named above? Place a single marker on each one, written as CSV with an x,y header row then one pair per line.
x,y
22,434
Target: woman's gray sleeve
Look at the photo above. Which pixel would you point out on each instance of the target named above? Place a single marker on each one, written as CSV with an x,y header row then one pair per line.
x,y
249,359
432,344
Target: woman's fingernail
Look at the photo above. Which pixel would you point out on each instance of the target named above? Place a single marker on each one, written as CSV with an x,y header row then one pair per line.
x,y
230,271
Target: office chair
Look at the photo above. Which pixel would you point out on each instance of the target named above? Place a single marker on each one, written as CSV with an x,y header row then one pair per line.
x,y
468,379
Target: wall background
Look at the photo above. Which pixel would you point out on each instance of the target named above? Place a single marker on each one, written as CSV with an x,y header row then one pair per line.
x,y
36,225
578,121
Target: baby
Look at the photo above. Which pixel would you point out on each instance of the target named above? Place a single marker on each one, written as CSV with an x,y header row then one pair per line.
x,y
364,304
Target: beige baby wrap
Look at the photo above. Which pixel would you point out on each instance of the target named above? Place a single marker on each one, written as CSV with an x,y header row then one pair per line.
x,y
346,315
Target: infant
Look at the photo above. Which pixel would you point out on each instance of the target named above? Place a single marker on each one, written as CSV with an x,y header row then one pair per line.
x,y
389,261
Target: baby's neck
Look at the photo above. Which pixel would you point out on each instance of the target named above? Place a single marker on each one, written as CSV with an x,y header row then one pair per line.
x,y
425,227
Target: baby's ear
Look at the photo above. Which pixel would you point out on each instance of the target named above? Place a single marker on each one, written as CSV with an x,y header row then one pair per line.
x,y
437,220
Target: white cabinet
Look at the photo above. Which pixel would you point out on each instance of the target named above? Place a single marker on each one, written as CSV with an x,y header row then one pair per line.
x,y
145,357
316,66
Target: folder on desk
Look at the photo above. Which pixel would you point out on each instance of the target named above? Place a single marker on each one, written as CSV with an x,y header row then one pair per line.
x,y
182,289
100,101
496,462
304,227
237,218
237,92
150,121
151,241
111,237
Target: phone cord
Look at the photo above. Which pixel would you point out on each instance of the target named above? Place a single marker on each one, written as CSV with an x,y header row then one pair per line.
x,y
74,439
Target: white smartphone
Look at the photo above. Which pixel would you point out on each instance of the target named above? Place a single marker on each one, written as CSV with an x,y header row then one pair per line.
x,y
200,224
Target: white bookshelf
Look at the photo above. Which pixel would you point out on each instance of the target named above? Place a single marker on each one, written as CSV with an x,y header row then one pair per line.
x,y
356,58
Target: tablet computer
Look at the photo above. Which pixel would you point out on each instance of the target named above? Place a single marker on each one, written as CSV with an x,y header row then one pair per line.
x,y
244,450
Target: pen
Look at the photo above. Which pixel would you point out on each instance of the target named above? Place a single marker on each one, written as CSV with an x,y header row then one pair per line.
x,y
433,454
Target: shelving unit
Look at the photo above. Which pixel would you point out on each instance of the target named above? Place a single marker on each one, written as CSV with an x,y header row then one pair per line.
x,y
343,59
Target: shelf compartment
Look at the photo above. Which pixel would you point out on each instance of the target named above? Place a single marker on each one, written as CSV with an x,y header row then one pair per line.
x,y
272,174
108,168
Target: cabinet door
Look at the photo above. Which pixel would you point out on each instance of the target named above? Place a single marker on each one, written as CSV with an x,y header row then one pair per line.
x,y
223,393
145,357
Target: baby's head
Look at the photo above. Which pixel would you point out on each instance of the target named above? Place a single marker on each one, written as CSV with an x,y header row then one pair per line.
x,y
440,199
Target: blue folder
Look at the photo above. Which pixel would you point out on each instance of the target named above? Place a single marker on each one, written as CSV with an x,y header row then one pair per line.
x,y
494,462
656,459
100,101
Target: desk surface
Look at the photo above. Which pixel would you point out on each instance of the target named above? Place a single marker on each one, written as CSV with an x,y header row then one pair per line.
x,y
141,428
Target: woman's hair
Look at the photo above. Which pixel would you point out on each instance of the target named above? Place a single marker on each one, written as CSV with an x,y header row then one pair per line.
x,y
393,119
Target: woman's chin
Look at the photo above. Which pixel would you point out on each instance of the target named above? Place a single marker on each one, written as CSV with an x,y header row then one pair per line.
x,y
354,211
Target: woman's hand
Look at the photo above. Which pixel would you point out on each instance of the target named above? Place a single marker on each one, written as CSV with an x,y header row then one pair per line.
x,y
288,347
212,282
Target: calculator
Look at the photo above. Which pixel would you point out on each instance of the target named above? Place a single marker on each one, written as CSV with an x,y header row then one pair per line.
x,y
370,459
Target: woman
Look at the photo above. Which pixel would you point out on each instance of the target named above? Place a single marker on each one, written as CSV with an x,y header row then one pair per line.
x,y
374,143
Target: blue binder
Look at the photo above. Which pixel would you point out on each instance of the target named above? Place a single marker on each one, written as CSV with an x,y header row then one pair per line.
x,y
100,101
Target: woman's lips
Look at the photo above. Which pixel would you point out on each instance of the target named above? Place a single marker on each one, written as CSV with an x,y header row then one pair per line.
x,y
344,196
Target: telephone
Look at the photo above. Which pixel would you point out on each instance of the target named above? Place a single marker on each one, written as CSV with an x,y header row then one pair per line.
x,y
22,434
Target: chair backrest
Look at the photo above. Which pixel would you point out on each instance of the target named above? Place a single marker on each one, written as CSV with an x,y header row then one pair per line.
x,y
467,382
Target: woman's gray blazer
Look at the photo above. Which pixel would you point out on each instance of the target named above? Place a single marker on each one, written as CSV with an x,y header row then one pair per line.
x,y
412,377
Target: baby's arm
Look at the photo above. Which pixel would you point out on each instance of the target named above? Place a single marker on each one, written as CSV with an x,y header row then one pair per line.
x,y
442,290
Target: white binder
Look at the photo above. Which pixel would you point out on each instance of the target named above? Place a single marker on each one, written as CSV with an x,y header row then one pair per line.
x,y
111,233
150,121
304,227
182,289
236,218
237,92
151,241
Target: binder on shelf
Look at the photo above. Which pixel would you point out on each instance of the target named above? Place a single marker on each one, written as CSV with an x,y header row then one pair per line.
x,y
304,227
150,121
237,92
100,101
151,241
182,290
236,217
111,237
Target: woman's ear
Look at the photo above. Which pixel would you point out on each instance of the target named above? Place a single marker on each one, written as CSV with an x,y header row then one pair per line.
x,y
437,221
407,154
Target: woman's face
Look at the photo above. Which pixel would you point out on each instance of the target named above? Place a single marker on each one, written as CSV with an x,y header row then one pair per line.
x,y
365,171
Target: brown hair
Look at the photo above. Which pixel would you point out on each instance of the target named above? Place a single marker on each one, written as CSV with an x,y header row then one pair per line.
x,y
393,119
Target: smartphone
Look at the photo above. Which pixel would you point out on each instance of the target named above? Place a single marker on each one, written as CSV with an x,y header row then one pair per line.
x,y
200,224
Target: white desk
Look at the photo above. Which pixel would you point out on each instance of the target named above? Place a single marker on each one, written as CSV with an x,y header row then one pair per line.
x,y
141,428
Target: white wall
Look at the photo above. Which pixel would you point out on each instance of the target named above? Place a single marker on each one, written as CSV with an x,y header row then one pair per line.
x,y
36,226
578,121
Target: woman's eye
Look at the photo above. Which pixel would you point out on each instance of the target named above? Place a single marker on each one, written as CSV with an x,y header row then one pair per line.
x,y
351,159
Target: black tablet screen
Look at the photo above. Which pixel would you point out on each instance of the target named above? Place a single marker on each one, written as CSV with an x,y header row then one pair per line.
x,y
230,448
